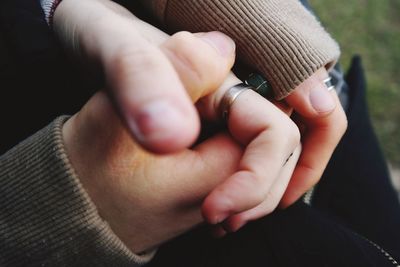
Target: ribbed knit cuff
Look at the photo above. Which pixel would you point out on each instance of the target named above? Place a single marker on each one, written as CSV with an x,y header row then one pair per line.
x,y
46,217
49,7
278,38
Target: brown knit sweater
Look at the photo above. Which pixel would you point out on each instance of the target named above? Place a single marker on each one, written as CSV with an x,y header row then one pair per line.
x,y
47,218
278,38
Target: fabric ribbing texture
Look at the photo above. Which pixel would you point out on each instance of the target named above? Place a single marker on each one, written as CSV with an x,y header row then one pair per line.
x,y
278,38
46,216
49,7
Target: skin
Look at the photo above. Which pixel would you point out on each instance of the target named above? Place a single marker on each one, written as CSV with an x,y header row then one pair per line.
x,y
118,170
323,129
141,194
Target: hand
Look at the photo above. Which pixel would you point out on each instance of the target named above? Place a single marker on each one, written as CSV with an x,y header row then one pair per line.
x,y
142,83
323,120
272,148
324,126
263,172
148,199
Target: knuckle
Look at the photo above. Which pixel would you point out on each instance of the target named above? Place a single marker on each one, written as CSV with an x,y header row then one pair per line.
x,y
182,37
197,58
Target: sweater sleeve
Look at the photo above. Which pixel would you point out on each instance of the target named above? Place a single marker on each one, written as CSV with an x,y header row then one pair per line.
x,y
278,38
46,217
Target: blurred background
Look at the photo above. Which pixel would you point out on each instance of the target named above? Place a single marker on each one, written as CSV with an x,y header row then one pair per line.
x,y
371,28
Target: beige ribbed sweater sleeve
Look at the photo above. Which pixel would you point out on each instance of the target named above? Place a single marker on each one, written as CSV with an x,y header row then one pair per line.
x,y
46,217
278,38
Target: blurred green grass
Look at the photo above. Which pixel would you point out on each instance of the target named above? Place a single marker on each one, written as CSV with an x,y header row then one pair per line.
x,y
371,28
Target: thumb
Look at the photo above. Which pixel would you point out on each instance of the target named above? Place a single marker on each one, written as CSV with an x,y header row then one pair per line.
x,y
145,86
320,111
311,99
149,95
155,85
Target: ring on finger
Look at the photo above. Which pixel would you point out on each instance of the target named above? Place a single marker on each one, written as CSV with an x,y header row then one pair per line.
x,y
229,98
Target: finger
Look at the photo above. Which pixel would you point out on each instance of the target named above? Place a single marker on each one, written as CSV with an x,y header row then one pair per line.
x,y
195,62
202,60
272,200
208,106
270,137
196,173
219,156
311,99
145,87
326,123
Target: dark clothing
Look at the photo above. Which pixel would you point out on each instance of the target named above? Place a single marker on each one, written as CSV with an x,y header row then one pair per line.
x,y
37,81
353,202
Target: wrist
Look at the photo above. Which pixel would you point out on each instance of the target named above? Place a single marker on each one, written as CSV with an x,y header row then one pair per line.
x,y
91,140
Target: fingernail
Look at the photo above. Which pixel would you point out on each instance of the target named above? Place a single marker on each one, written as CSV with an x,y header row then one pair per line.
x,y
322,100
224,45
156,121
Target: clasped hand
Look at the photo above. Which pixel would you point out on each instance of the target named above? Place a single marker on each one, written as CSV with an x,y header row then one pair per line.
x,y
153,81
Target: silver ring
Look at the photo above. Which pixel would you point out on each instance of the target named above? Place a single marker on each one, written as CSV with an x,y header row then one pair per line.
x,y
229,98
329,84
